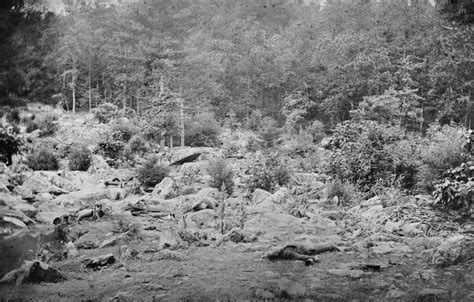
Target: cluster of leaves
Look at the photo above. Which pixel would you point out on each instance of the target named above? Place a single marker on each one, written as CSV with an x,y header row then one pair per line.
x,y
456,190
104,113
47,125
111,146
80,158
42,160
343,191
222,176
152,173
266,173
360,154
202,130
10,144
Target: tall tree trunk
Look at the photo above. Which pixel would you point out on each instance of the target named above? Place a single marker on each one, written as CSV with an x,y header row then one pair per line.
x,y
90,84
171,142
73,86
182,117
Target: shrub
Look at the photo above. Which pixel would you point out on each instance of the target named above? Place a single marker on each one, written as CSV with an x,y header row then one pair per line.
x,y
111,145
128,113
444,149
360,152
42,160
10,144
48,125
105,112
13,116
266,173
138,144
254,120
317,131
152,173
269,131
202,131
80,159
221,175
456,190
342,190
253,144
124,132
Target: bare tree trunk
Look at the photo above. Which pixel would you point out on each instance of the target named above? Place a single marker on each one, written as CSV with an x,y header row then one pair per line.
x,y
162,140
171,142
73,86
90,84
182,118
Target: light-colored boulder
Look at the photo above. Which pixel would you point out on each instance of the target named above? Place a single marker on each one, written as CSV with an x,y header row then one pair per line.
x,y
260,195
37,183
202,219
83,197
3,188
26,208
98,163
209,192
165,189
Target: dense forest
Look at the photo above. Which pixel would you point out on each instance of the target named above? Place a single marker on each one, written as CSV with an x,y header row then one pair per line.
x,y
303,60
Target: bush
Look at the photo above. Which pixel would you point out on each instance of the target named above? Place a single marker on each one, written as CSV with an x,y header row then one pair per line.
x,y
221,174
13,116
266,173
361,153
138,144
152,173
269,131
444,149
317,131
111,145
254,120
105,112
124,132
456,190
10,144
253,144
342,190
80,159
202,131
48,125
42,160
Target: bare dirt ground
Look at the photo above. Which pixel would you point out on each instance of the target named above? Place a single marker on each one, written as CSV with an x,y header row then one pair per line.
x,y
238,271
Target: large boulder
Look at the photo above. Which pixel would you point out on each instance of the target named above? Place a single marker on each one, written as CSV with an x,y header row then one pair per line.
x,y
26,208
209,192
165,189
59,181
275,225
38,183
260,195
98,163
202,219
453,250
83,197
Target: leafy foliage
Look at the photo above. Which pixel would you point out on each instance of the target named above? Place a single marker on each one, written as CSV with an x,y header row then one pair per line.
x,y
456,190
42,159
202,131
105,112
111,145
80,159
266,173
222,176
10,144
152,173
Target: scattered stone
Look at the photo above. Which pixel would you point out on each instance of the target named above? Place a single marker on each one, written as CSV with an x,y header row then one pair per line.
x,y
71,251
202,219
33,272
290,289
390,247
209,192
3,188
199,203
354,274
432,294
454,250
395,294
165,189
264,294
169,239
37,183
117,194
15,221
260,195
26,208
98,262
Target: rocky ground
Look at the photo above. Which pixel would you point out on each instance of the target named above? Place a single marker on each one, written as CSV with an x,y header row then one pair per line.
x,y
88,236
